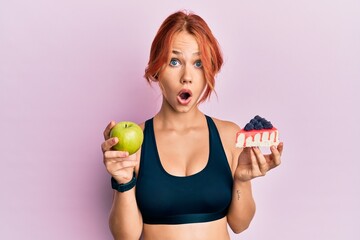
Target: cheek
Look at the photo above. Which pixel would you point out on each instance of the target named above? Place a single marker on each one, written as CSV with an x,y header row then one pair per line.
x,y
161,87
202,81
165,87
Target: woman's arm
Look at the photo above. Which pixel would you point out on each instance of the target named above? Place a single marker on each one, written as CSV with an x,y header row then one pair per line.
x,y
251,163
242,207
125,220
246,164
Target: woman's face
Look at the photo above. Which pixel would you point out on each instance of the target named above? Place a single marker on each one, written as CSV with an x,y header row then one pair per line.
x,y
182,79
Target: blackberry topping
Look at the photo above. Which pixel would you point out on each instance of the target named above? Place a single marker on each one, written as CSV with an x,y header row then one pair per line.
x,y
253,121
249,127
267,125
258,123
258,126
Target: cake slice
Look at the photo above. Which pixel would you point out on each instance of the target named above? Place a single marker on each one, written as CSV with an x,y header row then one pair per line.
x,y
259,132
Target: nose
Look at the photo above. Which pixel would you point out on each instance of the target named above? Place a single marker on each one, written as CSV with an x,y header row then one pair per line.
x,y
186,76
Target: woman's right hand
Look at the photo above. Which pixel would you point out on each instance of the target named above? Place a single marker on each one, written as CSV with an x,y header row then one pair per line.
x,y
118,163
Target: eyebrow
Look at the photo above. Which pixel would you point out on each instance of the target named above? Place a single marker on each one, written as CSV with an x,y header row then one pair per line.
x,y
176,52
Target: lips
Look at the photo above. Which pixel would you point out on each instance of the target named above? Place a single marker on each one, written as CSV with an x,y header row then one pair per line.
x,y
184,96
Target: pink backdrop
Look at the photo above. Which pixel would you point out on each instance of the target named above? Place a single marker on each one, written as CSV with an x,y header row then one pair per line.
x,y
69,67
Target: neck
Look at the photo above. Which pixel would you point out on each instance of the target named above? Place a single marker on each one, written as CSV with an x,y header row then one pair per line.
x,y
170,119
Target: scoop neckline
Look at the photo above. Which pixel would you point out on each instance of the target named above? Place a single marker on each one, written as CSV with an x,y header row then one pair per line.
x,y
175,176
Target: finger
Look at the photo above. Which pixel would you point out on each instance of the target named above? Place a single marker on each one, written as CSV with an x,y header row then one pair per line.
x,y
108,144
116,154
254,164
108,129
280,147
114,157
120,165
263,165
116,168
127,164
275,155
116,164
122,175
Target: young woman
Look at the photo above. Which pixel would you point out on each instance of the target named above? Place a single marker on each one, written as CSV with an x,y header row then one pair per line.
x,y
188,181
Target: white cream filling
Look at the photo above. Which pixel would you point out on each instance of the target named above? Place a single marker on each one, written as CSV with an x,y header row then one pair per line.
x,y
259,140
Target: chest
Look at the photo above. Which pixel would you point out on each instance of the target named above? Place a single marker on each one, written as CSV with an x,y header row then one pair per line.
x,y
183,153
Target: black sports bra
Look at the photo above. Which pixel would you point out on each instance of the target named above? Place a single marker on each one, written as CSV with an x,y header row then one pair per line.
x,y
166,199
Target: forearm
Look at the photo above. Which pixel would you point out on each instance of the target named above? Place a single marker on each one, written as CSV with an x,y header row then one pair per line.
x,y
125,220
242,207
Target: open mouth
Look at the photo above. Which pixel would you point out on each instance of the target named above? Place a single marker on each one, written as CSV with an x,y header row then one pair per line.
x,y
184,96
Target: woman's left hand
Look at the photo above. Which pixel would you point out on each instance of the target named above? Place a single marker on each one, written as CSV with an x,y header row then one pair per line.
x,y
252,163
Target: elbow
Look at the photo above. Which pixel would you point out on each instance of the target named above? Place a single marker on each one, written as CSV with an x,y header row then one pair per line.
x,y
239,224
121,235
126,236
239,228
121,232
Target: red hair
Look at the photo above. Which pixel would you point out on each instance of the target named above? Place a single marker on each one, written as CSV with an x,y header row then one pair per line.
x,y
211,56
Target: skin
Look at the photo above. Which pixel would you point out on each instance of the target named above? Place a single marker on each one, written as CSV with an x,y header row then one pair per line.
x,y
183,152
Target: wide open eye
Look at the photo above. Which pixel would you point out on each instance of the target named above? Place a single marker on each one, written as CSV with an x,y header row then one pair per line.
x,y
198,64
174,62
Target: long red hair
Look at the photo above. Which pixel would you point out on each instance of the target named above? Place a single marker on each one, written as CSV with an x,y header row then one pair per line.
x,y
211,56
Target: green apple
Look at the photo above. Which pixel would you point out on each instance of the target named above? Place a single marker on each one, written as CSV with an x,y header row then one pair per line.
x,y
130,136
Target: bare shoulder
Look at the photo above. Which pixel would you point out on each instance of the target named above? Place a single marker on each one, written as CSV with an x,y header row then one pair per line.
x,y
227,131
226,128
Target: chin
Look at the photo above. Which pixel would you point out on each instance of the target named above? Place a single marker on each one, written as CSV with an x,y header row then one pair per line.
x,y
185,109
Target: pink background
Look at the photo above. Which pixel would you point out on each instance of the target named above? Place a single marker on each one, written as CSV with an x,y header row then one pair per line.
x,y
69,67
